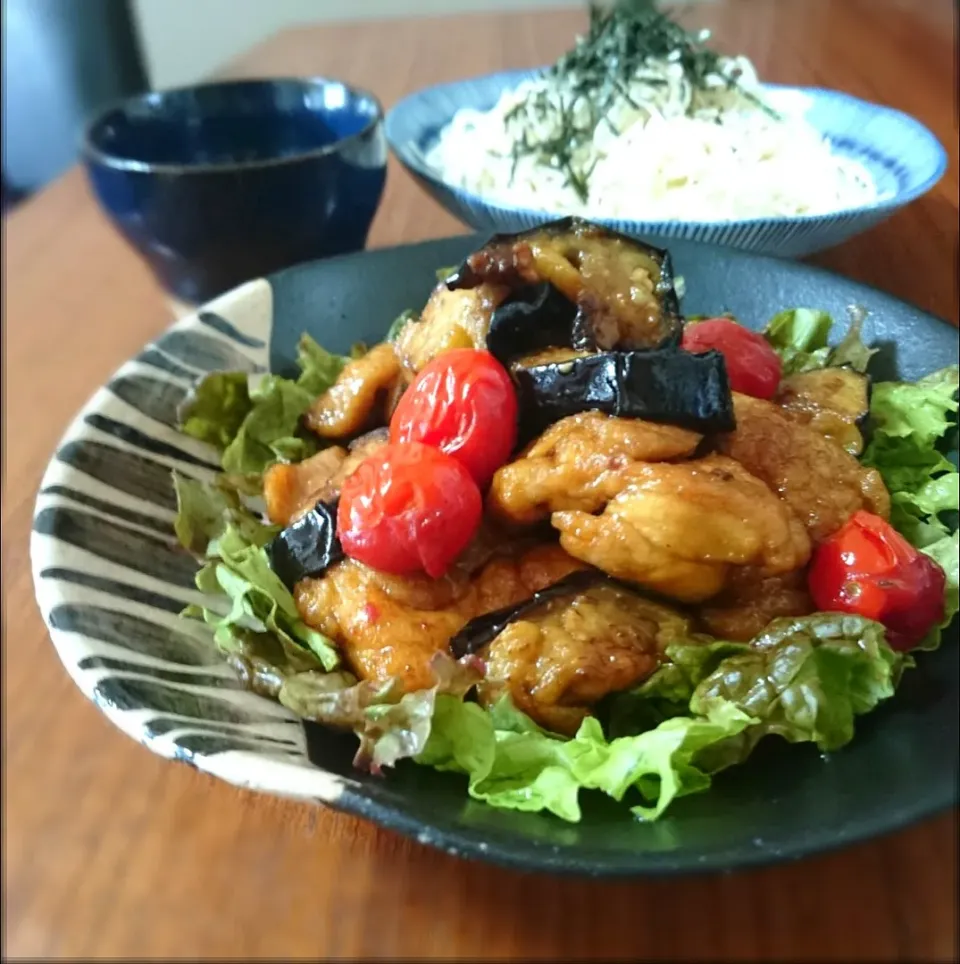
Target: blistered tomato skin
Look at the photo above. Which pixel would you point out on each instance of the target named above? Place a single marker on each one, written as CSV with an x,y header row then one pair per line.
x,y
464,404
868,568
408,508
753,367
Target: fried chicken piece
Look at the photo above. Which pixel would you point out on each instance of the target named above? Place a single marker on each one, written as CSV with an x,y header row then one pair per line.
x,y
581,462
450,319
390,626
385,626
561,659
822,484
292,488
679,528
351,403
751,600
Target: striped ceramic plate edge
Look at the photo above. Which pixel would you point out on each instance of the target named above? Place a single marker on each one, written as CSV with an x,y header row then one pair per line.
x,y
110,577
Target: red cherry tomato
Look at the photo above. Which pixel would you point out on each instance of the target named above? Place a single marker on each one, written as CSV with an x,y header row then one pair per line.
x,y
753,367
464,403
868,568
407,508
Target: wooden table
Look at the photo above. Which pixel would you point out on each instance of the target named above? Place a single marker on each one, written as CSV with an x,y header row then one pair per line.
x,y
111,851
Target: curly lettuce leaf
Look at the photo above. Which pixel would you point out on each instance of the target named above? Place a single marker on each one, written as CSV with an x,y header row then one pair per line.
x,y
391,725
254,425
804,679
668,691
269,433
852,351
946,552
512,764
248,597
918,411
913,423
800,337
319,368
215,408
205,510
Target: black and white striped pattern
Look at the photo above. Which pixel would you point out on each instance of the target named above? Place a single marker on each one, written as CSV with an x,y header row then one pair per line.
x,y
111,578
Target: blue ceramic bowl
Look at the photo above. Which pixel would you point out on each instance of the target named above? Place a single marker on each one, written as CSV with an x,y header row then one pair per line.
x,y
220,183
904,157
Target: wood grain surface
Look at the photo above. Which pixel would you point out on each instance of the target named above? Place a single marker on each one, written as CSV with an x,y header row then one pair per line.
x,y
110,851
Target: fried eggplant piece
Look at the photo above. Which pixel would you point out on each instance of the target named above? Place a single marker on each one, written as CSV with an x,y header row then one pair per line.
x,y
450,319
832,401
669,386
622,289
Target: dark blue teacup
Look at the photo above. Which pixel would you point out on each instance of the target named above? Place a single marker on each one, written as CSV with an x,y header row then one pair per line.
x,y
224,182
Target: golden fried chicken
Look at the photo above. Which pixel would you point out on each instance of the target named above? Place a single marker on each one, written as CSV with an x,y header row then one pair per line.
x,y
822,484
581,462
355,399
679,528
559,660
390,626
751,600
292,488
450,319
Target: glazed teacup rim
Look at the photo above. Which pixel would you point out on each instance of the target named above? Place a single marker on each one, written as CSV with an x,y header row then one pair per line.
x,y
93,152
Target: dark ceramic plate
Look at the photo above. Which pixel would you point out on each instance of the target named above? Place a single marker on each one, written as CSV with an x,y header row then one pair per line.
x,y
110,581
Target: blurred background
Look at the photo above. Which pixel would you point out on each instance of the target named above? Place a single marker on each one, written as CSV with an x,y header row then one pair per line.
x,y
64,59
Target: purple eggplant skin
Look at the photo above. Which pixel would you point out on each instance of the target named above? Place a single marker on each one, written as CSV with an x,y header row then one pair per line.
x,y
669,386
531,318
507,260
478,266
307,547
484,629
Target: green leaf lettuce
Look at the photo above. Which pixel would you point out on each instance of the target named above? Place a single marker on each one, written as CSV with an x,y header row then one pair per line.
x,y
802,679
913,428
800,338
255,425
